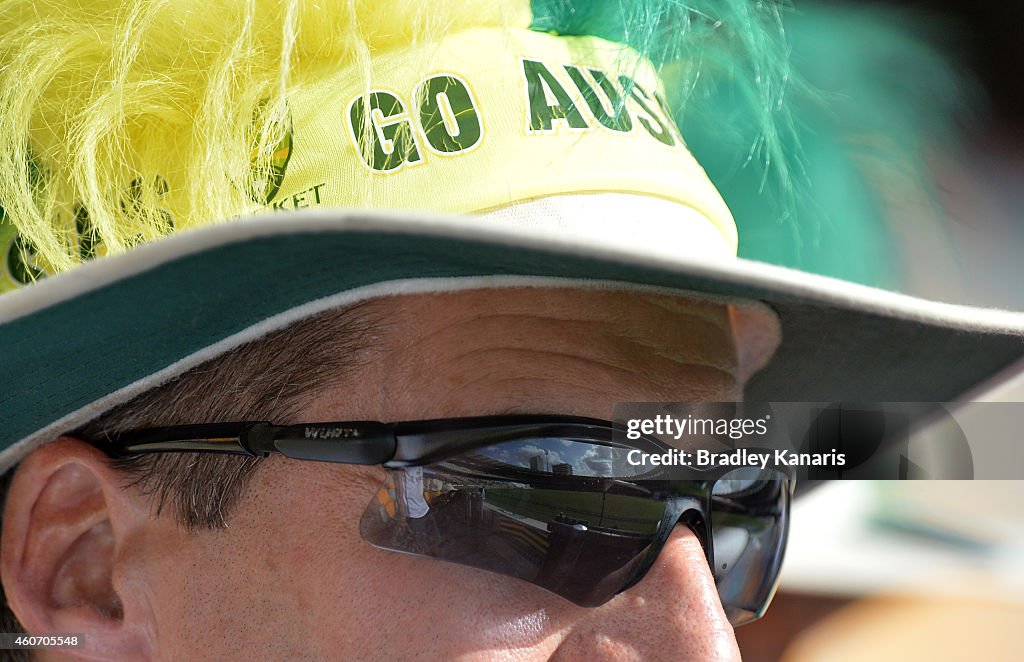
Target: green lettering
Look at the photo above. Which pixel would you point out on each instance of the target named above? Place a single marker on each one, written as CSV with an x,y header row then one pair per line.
x,y
316,191
278,166
384,134
618,119
667,114
652,122
266,177
542,88
449,120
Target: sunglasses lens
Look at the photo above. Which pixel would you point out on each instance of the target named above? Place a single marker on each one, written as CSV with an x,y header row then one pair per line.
x,y
560,513
574,516
749,522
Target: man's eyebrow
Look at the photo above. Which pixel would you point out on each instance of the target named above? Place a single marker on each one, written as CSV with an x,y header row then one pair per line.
x,y
523,410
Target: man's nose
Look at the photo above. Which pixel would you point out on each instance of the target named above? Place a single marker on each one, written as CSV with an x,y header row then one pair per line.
x,y
673,613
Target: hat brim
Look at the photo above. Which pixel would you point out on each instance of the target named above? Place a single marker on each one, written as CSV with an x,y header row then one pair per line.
x,y
77,344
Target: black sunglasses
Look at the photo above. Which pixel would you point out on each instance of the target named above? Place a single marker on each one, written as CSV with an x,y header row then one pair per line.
x,y
554,500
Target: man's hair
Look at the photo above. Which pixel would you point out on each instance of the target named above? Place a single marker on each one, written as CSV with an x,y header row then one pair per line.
x,y
271,378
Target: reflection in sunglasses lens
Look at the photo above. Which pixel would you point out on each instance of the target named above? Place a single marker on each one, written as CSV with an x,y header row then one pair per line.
x,y
570,515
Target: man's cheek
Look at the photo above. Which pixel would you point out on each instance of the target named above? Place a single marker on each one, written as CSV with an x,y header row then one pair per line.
x,y
482,611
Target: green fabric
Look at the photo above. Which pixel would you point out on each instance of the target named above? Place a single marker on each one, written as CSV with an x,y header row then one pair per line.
x,y
62,358
803,134
872,98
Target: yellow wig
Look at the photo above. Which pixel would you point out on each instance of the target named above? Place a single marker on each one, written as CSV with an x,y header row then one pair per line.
x,y
125,119
120,112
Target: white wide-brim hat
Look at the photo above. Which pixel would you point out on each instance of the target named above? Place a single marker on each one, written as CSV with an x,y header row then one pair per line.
x,y
77,344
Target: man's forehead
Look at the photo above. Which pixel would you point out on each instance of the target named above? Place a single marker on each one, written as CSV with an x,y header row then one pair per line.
x,y
612,320
519,344
630,307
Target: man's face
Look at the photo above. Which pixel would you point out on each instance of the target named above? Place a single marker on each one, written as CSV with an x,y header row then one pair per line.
x,y
290,576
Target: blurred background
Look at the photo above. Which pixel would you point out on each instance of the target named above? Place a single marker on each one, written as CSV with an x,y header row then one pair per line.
x,y
891,570
904,164
984,186
926,570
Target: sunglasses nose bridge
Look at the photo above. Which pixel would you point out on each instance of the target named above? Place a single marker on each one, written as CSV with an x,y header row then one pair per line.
x,y
689,511
698,524
693,513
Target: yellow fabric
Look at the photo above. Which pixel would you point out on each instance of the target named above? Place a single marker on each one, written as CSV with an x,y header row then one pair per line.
x,y
510,162
483,119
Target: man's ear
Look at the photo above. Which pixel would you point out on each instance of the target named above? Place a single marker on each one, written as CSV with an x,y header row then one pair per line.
x,y
64,550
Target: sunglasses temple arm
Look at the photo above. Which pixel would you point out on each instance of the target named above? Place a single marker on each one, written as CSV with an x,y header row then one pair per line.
x,y
349,443
211,438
